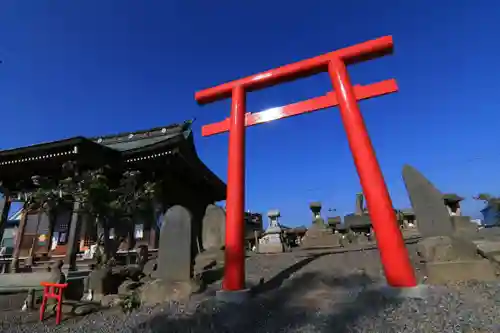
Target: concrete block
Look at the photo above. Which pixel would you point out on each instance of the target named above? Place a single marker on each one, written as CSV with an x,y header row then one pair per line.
x,y
488,248
460,270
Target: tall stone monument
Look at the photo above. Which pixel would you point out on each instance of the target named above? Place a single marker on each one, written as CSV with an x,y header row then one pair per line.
x,y
448,256
174,276
213,240
359,209
428,205
214,228
272,241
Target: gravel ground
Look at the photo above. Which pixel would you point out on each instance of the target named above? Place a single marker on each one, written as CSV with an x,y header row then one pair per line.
x,y
314,291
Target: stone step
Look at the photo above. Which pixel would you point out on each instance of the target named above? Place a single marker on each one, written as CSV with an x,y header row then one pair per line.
x,y
488,248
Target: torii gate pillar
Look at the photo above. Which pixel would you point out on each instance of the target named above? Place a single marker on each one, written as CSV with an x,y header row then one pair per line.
x,y
394,256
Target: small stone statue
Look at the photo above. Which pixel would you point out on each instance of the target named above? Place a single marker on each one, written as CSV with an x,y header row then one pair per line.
x,y
57,275
142,256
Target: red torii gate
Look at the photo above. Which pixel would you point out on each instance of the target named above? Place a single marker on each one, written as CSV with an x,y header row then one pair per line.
x,y
394,256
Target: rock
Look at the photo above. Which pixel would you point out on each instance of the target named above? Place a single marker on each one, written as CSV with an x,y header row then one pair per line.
x,y
175,255
160,291
85,309
142,256
110,300
207,260
57,276
150,267
133,272
488,248
320,236
214,228
443,249
127,286
459,270
99,281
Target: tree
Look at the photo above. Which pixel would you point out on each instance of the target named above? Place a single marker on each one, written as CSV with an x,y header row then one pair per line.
x,y
45,198
489,200
484,196
110,203
93,191
136,199
129,204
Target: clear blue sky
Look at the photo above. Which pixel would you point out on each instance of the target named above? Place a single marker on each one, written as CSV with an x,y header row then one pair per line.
x,y
99,67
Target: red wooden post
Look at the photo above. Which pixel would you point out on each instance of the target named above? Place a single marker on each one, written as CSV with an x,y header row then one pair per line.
x,y
234,268
394,256
395,260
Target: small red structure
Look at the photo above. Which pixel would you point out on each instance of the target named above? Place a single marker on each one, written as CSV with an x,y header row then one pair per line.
x,y
394,256
53,290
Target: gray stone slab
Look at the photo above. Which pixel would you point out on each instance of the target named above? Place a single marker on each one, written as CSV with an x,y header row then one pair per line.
x,y
444,248
488,248
213,228
427,202
463,226
460,270
175,262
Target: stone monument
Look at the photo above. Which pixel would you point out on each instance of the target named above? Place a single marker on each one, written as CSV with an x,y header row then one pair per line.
x,y
174,275
213,240
272,241
214,228
319,234
427,203
447,256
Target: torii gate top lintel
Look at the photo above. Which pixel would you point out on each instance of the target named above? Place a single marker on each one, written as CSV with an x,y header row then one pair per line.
x,y
350,55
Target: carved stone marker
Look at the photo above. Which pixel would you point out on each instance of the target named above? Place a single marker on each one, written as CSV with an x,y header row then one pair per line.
x,y
175,262
428,205
272,241
214,228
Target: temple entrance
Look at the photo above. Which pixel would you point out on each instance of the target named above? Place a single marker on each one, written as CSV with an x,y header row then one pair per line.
x,y
393,253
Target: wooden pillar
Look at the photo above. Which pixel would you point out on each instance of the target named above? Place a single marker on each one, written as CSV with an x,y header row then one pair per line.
x,y
19,240
84,221
52,214
73,238
153,235
4,214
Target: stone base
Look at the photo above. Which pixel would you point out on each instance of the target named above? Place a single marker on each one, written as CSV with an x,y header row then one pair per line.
x,y
420,291
446,249
271,243
160,291
321,239
460,270
232,296
271,248
488,248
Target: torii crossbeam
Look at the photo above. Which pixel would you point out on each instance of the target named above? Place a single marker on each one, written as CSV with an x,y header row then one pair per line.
x,y
394,256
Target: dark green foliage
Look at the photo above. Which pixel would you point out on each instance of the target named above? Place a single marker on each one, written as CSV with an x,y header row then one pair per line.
x,y
489,200
130,302
109,202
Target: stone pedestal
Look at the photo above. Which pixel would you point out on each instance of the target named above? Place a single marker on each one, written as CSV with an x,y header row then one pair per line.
x,y
272,241
318,235
451,259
